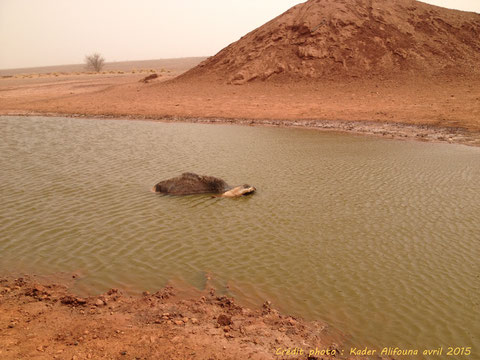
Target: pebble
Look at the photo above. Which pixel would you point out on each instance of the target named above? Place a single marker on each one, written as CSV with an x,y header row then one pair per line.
x,y
224,320
194,321
38,288
178,322
99,302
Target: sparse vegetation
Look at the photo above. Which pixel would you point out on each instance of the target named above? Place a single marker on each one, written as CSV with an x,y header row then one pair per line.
x,y
94,62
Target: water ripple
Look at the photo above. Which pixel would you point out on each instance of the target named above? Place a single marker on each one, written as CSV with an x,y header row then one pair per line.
x,y
360,232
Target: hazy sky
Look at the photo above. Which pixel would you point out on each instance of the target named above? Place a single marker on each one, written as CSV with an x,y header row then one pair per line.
x,y
53,32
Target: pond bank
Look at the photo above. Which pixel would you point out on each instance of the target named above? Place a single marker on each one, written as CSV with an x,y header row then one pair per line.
x,y
43,319
399,131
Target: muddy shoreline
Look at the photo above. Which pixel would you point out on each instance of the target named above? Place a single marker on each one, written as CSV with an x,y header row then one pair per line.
x,y
44,319
388,130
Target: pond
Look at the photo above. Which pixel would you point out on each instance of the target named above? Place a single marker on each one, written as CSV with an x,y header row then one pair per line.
x,y
379,238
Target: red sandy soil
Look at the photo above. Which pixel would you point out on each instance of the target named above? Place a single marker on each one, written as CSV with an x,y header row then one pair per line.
x,y
42,320
445,109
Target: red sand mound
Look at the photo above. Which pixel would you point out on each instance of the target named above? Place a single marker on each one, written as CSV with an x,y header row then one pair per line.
x,y
335,38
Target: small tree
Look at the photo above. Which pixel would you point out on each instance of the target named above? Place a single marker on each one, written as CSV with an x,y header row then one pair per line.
x,y
94,62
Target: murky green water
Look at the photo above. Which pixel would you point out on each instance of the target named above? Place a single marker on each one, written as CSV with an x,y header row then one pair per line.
x,y
379,238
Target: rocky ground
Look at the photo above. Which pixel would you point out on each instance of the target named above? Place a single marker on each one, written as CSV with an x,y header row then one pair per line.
x,y
44,320
347,39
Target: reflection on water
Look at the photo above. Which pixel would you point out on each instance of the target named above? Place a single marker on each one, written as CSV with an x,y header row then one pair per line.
x,y
379,238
